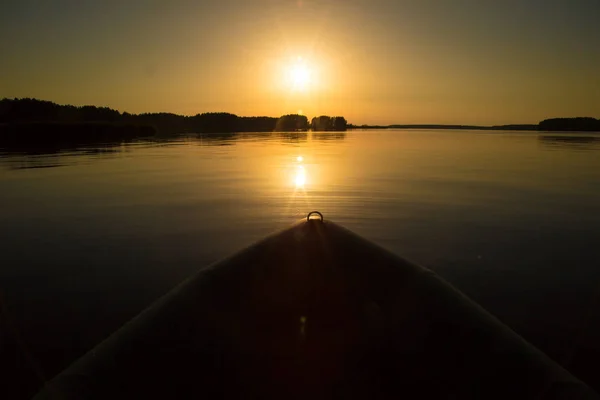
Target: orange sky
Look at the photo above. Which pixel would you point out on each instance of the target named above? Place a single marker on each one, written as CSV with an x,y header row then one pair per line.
x,y
375,62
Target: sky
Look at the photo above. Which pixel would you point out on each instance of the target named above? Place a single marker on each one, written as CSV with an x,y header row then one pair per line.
x,y
373,61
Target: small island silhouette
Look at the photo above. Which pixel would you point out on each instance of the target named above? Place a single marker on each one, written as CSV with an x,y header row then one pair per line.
x,y
38,122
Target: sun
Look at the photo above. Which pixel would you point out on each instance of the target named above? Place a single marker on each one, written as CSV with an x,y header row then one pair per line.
x,y
299,75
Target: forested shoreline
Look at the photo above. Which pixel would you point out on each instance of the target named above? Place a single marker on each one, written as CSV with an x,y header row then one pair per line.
x,y
38,122
23,116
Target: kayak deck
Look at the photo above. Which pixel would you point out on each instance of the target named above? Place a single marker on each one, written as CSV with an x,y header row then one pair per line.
x,y
315,312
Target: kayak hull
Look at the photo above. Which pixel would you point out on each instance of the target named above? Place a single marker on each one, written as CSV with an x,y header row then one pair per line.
x,y
315,311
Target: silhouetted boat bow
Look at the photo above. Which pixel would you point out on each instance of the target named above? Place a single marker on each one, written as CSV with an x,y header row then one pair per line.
x,y
315,311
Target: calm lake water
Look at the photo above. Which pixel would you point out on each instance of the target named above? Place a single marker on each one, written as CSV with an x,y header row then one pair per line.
x,y
89,237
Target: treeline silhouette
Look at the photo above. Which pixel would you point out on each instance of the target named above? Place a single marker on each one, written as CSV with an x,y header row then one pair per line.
x,y
577,124
30,120
570,124
326,123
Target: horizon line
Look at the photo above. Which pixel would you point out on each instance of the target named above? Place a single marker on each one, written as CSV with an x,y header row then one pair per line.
x,y
292,113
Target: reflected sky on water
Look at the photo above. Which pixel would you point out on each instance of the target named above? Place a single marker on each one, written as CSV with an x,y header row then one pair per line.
x,y
90,236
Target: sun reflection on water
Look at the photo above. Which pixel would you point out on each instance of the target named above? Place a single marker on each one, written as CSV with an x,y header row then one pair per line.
x,y
300,178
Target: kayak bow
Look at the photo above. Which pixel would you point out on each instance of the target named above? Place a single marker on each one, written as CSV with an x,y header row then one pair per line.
x,y
315,311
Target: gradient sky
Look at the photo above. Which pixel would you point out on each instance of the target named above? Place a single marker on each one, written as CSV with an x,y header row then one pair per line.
x,y
375,61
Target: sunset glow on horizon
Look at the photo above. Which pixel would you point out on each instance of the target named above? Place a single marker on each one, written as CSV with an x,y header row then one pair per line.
x,y
374,62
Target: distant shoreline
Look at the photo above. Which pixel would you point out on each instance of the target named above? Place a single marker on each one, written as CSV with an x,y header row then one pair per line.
x,y
528,127
17,114
576,124
32,122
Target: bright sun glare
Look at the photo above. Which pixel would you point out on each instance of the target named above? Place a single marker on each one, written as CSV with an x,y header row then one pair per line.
x,y
299,75
300,177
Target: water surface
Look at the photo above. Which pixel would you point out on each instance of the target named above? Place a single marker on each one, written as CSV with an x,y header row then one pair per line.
x,y
89,237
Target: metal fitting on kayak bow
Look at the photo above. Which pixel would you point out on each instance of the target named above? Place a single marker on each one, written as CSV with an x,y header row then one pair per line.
x,y
315,214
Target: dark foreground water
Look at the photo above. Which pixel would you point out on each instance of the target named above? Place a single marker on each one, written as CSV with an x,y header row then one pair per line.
x,y
89,237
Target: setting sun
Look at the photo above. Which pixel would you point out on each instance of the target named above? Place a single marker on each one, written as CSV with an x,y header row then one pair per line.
x,y
299,75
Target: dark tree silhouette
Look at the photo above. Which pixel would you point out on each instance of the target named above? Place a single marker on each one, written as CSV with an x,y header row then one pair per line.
x,y
29,120
292,122
570,124
215,123
339,124
326,123
165,123
258,124
322,123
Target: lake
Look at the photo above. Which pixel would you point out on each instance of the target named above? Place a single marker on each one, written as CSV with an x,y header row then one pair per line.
x,y
91,236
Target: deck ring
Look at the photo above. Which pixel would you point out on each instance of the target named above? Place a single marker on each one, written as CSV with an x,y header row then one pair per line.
x,y
314,213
